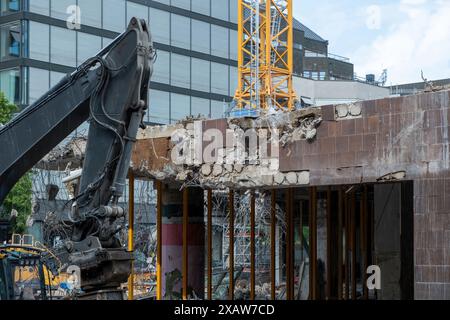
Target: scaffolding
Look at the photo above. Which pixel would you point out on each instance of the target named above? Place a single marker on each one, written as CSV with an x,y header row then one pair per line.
x,y
265,57
242,230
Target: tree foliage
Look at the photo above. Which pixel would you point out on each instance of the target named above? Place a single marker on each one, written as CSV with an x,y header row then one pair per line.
x,y
20,197
6,109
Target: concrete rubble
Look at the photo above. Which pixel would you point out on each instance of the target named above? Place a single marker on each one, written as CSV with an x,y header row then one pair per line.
x,y
69,155
153,152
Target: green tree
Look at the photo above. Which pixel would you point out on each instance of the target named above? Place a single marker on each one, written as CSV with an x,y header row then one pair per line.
x,y
6,109
19,198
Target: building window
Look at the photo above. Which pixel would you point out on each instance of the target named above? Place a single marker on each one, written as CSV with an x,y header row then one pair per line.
x,y
136,10
180,31
55,77
233,11
233,80
315,75
201,6
307,74
322,75
63,46
88,46
10,84
312,54
159,110
39,41
200,107
59,8
233,45
180,107
91,12
114,15
180,71
219,78
40,6
161,71
8,6
219,41
10,40
38,80
201,36
106,42
219,9
160,25
200,75
184,4
217,109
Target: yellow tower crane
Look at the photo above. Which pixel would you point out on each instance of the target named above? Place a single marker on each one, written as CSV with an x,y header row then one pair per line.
x,y
265,56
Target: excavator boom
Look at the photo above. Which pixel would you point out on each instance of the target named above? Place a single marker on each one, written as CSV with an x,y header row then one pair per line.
x,y
110,91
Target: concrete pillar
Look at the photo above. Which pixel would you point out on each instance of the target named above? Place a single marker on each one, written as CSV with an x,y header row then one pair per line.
x,y
321,247
172,243
278,256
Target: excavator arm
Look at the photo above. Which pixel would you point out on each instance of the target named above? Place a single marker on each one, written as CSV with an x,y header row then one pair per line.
x,y
110,91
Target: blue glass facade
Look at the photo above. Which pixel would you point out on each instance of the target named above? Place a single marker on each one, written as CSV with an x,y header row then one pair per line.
x,y
196,67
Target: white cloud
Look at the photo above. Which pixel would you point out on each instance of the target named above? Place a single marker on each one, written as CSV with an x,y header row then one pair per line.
x,y
419,40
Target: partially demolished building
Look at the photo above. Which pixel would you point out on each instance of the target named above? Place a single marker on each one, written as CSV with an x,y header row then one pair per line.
x,y
345,190
310,204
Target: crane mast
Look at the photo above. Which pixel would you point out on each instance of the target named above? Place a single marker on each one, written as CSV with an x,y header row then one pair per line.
x,y
265,56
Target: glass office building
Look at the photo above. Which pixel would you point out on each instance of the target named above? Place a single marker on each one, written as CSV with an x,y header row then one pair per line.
x,y
196,41
195,71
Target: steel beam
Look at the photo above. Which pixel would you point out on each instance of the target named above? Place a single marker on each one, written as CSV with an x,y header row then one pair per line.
x,y
347,248
301,245
353,242
231,246
364,250
340,242
273,223
159,188
289,245
131,232
329,244
252,246
210,243
313,243
185,242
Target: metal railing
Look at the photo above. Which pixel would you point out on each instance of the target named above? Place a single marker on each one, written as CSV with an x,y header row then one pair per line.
x,y
313,54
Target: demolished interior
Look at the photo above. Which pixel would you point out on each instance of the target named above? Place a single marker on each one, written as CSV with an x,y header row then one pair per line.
x,y
321,195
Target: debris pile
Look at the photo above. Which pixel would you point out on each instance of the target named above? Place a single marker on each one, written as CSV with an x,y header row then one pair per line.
x,y
70,154
250,160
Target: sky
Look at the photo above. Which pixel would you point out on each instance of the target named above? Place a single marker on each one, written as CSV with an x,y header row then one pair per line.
x,y
402,36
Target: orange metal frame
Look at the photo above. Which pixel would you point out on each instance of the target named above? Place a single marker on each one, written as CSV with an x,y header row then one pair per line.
x,y
274,39
131,233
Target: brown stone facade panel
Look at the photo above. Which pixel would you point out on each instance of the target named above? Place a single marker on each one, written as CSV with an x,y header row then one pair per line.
x,y
432,237
150,155
410,134
328,113
220,124
394,134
